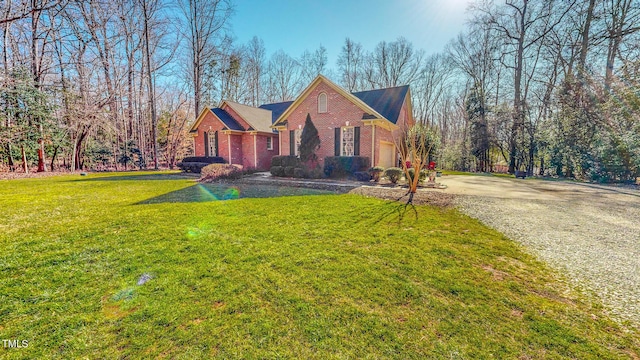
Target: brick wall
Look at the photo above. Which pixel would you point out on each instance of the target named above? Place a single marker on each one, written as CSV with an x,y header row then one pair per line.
x,y
248,161
339,111
211,123
236,149
264,155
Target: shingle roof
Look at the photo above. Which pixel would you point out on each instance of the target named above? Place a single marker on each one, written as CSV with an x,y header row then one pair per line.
x,y
387,102
276,109
226,118
258,119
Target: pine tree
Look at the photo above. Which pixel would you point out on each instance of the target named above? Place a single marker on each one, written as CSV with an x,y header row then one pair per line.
x,y
309,141
477,111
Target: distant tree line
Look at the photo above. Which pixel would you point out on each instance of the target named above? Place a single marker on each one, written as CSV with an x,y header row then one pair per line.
x,y
550,87
547,87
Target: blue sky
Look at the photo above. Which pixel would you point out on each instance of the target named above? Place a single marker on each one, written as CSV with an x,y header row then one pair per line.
x,y
294,26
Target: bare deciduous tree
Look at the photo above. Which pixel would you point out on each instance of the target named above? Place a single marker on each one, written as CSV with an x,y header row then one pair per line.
x,y
205,22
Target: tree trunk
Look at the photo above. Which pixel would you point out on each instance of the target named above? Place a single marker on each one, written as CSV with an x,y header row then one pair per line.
x,y
5,58
77,147
517,109
12,165
25,167
150,88
72,164
41,164
584,45
619,12
518,120
35,72
53,157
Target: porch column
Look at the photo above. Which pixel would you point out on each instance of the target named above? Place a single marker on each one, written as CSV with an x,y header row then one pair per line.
x,y
229,143
255,150
373,144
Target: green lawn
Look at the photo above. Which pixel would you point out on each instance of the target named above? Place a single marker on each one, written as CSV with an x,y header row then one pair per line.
x,y
321,276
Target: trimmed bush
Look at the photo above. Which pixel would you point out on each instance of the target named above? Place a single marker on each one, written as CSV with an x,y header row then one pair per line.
x,y
423,174
298,173
393,174
375,172
205,159
192,167
213,172
343,166
194,164
290,161
276,161
277,171
279,165
288,171
362,175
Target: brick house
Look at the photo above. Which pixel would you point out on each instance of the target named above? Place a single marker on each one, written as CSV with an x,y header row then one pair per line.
x,y
240,134
349,124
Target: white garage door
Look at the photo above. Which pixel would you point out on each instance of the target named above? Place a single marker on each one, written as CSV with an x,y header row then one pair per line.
x,y
387,151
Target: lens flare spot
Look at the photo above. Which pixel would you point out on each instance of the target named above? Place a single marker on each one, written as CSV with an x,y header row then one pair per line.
x,y
198,231
206,194
231,193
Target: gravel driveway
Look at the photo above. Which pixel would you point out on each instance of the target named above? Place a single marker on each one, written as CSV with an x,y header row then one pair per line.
x,y
589,232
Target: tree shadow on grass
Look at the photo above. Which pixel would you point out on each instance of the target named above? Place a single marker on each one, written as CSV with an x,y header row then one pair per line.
x,y
143,177
221,191
398,207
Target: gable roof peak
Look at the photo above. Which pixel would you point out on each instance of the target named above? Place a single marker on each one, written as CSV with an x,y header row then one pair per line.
x,y
321,78
258,119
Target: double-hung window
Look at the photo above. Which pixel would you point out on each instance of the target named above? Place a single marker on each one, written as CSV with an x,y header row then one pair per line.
x,y
347,147
298,138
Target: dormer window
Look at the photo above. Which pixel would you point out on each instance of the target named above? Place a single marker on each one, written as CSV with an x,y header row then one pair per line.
x,y
322,103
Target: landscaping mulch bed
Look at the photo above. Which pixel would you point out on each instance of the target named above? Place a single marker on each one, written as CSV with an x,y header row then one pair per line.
x,y
339,187
422,197
22,175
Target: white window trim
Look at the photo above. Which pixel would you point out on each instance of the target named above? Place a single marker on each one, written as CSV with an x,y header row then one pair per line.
x,y
212,143
326,103
269,143
342,140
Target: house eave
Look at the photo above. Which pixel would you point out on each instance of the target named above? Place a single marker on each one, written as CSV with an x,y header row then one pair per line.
x,y
232,132
320,78
383,123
